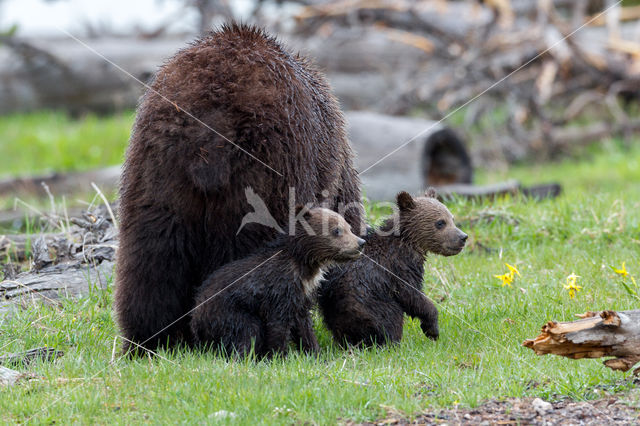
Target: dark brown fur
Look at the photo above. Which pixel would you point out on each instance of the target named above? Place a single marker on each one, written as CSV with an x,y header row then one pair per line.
x,y
182,191
363,302
264,299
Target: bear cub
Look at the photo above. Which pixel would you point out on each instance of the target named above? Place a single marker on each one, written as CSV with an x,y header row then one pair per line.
x,y
265,299
364,301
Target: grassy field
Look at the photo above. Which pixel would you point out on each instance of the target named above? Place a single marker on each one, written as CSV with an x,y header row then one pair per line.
x,y
594,225
52,141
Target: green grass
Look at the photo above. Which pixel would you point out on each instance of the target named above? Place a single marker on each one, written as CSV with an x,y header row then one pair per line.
x,y
594,224
53,141
43,142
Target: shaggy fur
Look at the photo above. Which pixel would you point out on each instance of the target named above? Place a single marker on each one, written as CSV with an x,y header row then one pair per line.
x,y
265,298
183,186
364,301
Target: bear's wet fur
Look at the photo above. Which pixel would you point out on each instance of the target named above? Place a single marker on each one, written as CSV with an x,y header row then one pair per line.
x,y
270,123
363,301
264,300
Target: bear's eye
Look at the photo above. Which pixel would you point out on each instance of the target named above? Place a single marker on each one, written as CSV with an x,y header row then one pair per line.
x,y
337,232
440,224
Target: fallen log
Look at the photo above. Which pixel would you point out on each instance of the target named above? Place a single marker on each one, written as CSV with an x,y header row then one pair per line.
x,y
61,183
594,335
70,264
16,247
54,282
512,187
435,155
63,73
404,153
27,357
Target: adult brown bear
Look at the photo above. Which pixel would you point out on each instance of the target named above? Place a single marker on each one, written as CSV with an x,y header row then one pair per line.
x,y
232,111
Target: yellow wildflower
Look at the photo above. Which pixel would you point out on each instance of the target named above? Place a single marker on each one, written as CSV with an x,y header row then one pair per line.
x,y
622,271
506,279
571,285
513,270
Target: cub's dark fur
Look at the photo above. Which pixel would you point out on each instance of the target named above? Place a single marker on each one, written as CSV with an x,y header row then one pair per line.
x,y
265,298
363,302
182,195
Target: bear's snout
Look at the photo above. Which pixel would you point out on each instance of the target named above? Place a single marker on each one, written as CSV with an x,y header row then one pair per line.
x,y
361,242
463,237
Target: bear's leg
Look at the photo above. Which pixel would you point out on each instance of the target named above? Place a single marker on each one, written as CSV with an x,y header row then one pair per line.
x,y
242,332
304,336
277,336
154,286
381,335
417,305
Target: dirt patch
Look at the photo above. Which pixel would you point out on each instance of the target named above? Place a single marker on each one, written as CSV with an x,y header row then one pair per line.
x,y
615,410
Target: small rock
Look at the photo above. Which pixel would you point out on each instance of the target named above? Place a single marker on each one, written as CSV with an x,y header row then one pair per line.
x,y
223,414
9,377
541,406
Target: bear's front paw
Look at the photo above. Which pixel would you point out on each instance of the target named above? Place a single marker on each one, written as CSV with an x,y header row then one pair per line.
x,y
311,348
430,330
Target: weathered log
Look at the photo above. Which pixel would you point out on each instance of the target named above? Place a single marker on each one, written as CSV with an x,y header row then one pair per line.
x,y
15,218
61,183
54,282
64,73
27,357
426,153
15,247
436,156
512,187
595,335
72,265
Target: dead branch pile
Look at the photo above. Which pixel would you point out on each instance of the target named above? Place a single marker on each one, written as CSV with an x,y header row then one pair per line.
x,y
535,78
540,82
67,263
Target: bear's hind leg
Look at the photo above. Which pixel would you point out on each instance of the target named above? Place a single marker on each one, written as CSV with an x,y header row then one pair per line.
x,y
245,333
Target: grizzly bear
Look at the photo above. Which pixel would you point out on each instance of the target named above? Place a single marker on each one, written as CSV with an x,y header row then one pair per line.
x,y
264,299
364,301
232,111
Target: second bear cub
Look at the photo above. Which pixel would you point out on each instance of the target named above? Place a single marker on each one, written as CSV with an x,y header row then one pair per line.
x,y
363,302
264,299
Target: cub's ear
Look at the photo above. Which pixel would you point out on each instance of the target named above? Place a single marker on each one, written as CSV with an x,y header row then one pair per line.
x,y
300,208
430,193
404,201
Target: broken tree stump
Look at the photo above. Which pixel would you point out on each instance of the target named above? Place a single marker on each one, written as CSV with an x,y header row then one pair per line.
x,y
594,335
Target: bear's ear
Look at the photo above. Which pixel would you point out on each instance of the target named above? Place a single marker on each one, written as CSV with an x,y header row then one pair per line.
x,y
301,207
404,200
430,193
